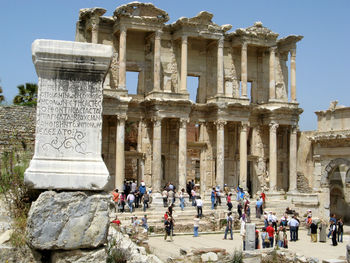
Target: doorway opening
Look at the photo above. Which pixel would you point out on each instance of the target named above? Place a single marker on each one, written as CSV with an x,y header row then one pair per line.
x,y
132,79
192,87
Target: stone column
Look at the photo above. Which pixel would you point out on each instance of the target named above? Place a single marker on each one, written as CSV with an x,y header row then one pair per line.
x,y
220,150
94,29
273,157
243,156
140,161
120,153
157,155
156,72
244,70
182,162
293,160
183,87
122,58
220,68
272,85
203,162
293,76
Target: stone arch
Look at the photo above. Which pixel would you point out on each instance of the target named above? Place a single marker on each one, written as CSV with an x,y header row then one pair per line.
x,y
331,166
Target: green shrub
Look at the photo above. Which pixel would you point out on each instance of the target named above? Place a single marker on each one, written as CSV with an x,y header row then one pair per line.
x,y
12,167
117,254
237,257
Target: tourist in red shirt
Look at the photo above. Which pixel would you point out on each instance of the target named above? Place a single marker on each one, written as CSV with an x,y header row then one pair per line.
x,y
271,233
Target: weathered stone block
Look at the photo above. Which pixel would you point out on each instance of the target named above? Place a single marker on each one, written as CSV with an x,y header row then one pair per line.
x,y
80,256
68,220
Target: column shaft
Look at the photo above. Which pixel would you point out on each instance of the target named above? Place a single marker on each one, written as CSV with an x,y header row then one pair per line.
x,y
120,154
220,68
243,156
157,155
183,87
273,157
182,162
220,149
272,85
293,160
156,73
122,59
293,75
244,71
203,135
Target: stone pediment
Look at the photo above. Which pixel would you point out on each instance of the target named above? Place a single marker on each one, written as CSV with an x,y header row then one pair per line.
x,y
256,31
87,13
202,20
142,10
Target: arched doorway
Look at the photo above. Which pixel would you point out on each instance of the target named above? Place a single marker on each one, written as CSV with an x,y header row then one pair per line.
x,y
336,176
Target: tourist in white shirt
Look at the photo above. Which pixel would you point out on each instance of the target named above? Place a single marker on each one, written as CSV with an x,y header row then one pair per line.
x,y
199,204
293,224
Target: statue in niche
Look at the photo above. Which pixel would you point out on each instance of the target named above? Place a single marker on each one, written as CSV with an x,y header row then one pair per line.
x,y
280,91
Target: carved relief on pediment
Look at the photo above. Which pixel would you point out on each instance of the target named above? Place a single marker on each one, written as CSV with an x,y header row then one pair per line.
x,y
145,10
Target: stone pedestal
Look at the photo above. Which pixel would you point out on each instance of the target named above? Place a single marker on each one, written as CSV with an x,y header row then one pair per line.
x,y
69,116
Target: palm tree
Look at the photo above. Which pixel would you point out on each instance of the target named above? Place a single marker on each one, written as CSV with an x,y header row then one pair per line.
x,y
2,97
27,94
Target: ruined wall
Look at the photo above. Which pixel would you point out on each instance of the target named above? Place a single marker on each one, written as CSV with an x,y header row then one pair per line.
x,y
305,163
17,126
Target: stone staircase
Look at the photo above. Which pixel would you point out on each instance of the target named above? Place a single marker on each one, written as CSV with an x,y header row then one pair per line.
x,y
211,218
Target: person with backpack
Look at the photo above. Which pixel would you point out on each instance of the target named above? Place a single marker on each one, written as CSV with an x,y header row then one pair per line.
x,y
145,200
265,238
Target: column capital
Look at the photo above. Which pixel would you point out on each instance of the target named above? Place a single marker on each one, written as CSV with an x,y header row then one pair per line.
x,y
294,129
183,122
123,29
244,126
122,118
157,121
273,126
293,52
220,124
244,46
95,20
184,39
273,49
158,34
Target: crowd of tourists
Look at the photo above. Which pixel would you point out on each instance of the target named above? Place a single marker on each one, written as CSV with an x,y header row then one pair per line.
x,y
132,196
275,230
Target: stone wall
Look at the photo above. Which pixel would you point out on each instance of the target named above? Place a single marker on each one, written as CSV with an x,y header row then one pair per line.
x,y
17,127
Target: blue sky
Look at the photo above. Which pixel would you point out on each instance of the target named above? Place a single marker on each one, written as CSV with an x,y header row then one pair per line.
x,y
323,56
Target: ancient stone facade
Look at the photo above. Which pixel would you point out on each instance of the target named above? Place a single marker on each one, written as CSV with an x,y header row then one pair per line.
x,y
324,157
245,113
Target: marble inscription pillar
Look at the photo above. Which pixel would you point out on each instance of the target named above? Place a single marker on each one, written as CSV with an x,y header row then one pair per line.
x,y
68,133
122,58
244,70
220,150
182,162
156,73
293,75
273,157
293,160
183,87
220,68
243,156
272,83
120,153
157,155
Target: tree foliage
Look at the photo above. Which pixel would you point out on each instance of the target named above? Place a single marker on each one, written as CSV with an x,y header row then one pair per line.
x,y
2,97
27,95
